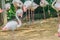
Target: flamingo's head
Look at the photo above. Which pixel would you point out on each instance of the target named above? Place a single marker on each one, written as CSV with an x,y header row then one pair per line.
x,y
19,12
1,10
7,6
17,3
26,5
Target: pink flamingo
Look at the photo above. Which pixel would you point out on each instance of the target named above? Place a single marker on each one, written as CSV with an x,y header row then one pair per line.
x,y
30,5
56,6
12,25
17,3
43,3
7,6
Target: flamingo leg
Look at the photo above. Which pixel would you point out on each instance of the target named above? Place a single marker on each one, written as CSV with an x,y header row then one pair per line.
x,y
48,8
32,15
26,16
29,14
58,23
44,13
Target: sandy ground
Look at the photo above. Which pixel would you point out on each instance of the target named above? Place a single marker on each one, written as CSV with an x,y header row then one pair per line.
x,y
39,30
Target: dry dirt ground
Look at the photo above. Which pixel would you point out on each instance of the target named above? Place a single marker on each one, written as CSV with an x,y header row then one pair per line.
x,y
39,30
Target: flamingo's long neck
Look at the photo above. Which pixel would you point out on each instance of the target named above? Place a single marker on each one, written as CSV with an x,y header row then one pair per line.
x,y
53,4
18,21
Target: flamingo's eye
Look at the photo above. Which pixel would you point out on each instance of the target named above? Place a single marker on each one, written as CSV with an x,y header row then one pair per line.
x,y
20,3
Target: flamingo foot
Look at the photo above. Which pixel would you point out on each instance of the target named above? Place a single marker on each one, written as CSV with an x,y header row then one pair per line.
x,y
57,34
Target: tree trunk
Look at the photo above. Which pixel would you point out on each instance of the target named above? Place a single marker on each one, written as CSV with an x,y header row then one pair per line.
x,y
4,13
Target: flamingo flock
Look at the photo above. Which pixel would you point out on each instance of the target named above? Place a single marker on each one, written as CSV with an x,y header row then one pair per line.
x,y
12,25
30,5
27,5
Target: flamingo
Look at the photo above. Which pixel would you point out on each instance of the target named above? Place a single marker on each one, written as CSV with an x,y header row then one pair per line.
x,y
30,5
12,25
17,3
20,14
56,6
7,6
8,9
44,3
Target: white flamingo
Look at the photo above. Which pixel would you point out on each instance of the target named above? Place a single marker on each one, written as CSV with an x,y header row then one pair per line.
x,y
12,25
17,3
1,10
19,12
30,5
56,6
7,6
43,3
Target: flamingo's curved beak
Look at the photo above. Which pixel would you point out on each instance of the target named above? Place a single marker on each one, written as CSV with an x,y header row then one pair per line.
x,y
20,15
1,10
24,8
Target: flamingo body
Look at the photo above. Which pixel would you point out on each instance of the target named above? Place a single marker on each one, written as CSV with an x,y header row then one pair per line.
x,y
34,6
57,6
30,5
12,25
27,4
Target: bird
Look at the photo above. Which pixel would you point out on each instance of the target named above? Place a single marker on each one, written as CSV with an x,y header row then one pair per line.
x,y
17,3
12,25
44,3
56,5
7,6
58,30
30,5
19,12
